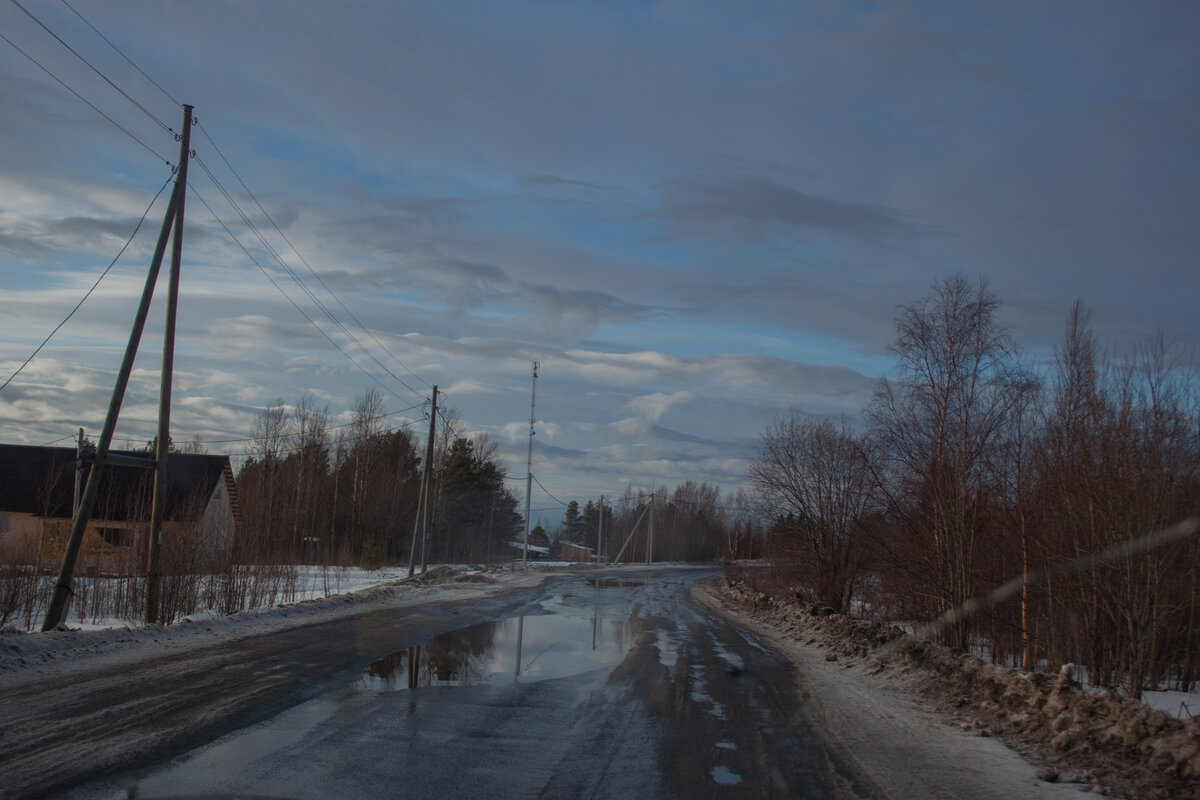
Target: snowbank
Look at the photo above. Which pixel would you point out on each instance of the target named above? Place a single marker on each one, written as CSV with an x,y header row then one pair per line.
x,y
1093,737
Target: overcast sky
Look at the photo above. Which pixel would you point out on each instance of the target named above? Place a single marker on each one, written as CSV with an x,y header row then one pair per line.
x,y
693,214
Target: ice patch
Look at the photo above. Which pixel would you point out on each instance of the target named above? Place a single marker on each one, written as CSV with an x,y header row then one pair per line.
x,y
668,653
725,776
699,694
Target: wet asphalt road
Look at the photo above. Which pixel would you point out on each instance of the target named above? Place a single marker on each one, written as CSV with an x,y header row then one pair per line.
x,y
598,684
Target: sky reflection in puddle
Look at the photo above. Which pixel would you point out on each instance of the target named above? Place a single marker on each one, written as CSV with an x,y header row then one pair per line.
x,y
519,649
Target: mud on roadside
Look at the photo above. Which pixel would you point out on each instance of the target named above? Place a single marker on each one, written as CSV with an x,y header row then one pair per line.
x,y
1110,745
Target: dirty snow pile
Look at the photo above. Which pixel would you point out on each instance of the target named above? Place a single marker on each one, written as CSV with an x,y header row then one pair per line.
x,y
1085,736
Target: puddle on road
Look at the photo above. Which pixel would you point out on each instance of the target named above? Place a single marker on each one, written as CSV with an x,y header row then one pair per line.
x,y
614,583
522,649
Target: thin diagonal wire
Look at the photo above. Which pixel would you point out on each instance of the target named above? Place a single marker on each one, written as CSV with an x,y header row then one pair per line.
x,y
229,198
124,247
304,261
544,489
106,79
296,278
90,104
122,54
295,305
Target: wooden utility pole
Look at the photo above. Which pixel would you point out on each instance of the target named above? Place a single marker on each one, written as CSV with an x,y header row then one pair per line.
x,y
529,467
79,472
59,600
629,538
600,530
650,531
427,482
163,440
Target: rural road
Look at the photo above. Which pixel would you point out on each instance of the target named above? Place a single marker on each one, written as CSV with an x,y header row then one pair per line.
x,y
596,684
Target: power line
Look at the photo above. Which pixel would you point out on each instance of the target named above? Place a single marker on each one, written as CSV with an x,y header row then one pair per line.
x,y
104,77
133,442
59,439
547,491
331,427
119,52
89,103
295,305
296,278
137,228
245,218
304,260
249,223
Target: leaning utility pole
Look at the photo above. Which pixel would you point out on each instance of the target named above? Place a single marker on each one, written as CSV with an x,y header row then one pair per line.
x,y
163,440
57,608
529,467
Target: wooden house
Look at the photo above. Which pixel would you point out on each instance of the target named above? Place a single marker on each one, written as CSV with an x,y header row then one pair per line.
x,y
37,494
575,552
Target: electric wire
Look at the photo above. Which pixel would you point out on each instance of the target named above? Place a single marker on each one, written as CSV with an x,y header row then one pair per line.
x,y
228,197
122,54
59,439
304,260
89,103
296,278
249,223
121,252
547,491
295,305
331,427
132,443
104,77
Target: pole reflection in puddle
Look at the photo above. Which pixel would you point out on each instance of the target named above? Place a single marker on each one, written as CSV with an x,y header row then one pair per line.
x,y
541,647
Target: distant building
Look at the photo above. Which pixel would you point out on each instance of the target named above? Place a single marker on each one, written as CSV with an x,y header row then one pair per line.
x,y
535,553
37,493
575,552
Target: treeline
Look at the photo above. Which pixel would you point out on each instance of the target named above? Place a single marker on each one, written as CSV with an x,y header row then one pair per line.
x,y
692,523
975,468
348,495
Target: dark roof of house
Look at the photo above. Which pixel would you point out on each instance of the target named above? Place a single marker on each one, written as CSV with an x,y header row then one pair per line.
x,y
41,481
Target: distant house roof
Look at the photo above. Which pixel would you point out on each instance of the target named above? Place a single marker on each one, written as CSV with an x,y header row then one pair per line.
x,y
41,481
533,548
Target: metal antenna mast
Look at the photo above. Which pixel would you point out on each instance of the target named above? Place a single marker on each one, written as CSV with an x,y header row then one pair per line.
x,y
529,467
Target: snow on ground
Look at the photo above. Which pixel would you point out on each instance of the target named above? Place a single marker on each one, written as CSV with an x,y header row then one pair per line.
x,y
311,583
27,656
1181,705
33,655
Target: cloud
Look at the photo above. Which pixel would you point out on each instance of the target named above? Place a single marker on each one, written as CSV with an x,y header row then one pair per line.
x,y
749,207
653,406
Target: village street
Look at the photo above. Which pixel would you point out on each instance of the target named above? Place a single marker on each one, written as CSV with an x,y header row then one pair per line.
x,y
557,683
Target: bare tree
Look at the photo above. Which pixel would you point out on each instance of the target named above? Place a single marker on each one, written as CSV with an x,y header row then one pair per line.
x,y
817,481
1119,459
308,440
937,426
